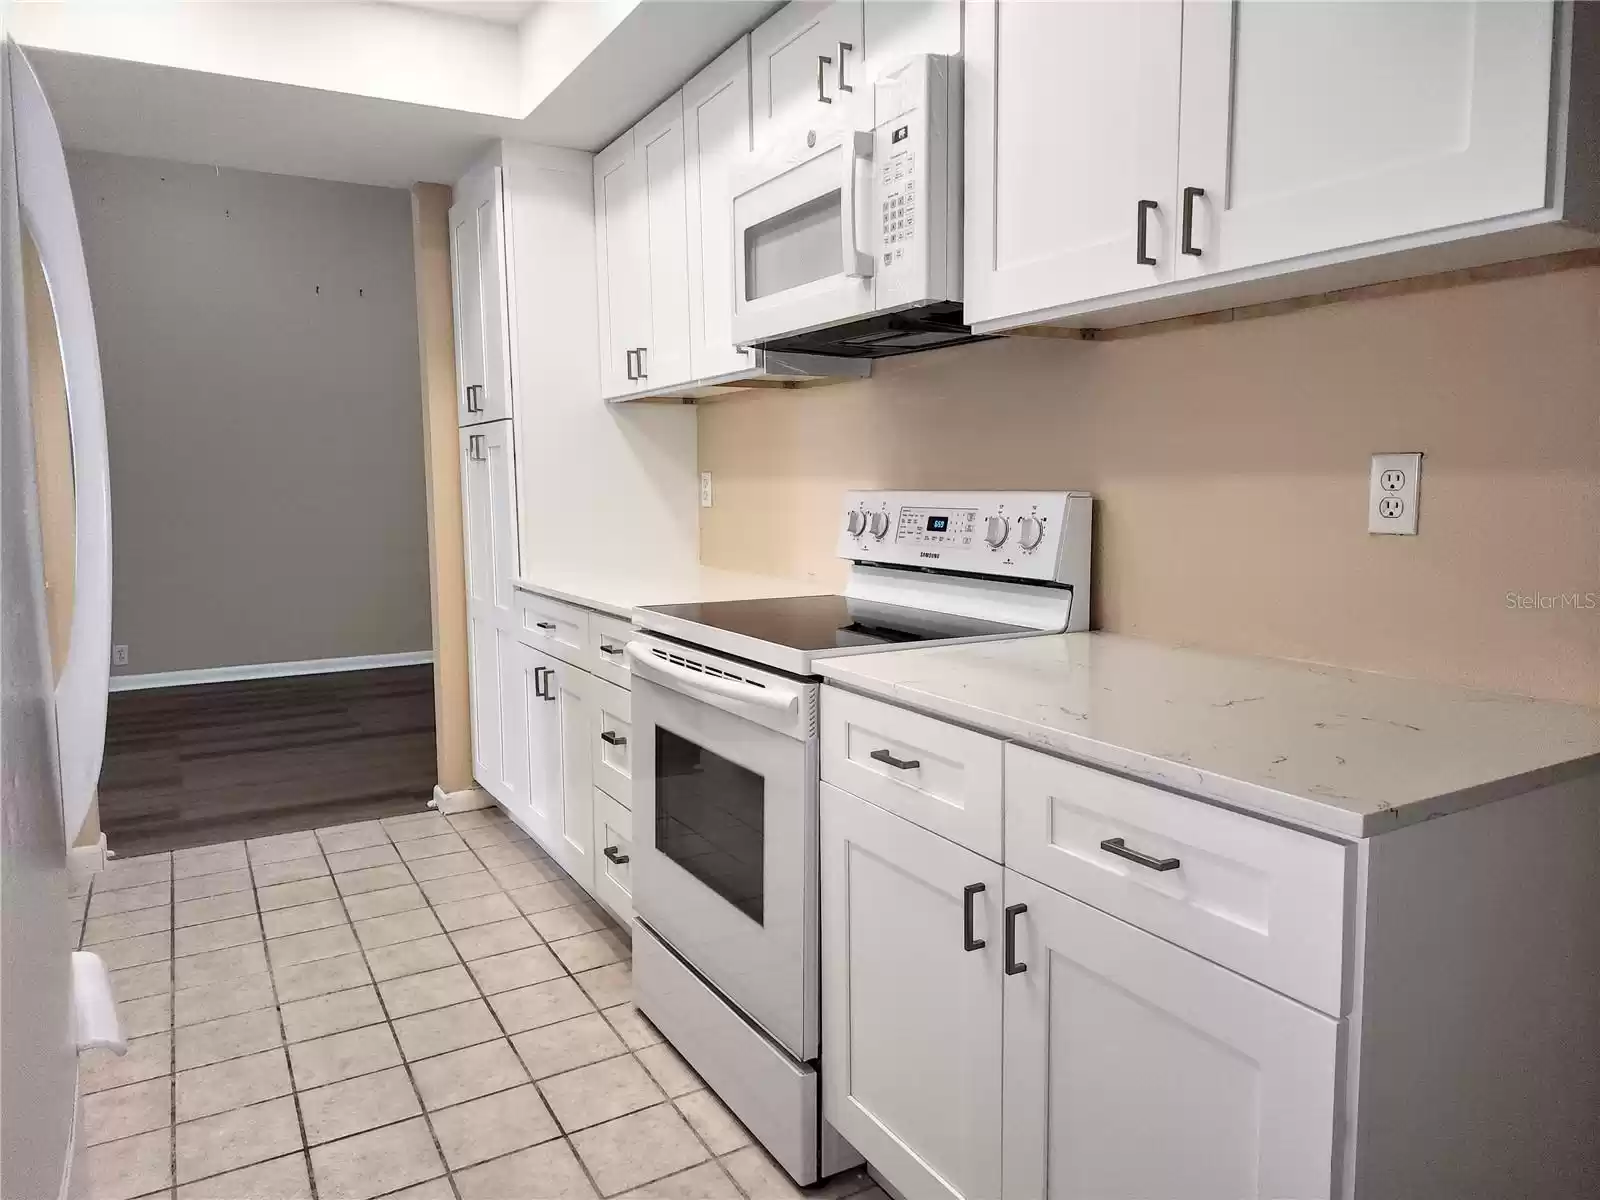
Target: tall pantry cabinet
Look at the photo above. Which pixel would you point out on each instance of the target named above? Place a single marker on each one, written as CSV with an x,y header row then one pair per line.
x,y
488,452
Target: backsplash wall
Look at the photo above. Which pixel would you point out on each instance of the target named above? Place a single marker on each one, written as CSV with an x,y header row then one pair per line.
x,y
1229,464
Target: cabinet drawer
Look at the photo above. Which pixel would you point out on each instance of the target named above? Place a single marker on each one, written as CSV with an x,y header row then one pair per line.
x,y
939,776
556,628
613,840
1266,901
608,636
612,750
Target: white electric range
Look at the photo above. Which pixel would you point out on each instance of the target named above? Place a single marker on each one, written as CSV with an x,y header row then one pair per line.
x,y
726,775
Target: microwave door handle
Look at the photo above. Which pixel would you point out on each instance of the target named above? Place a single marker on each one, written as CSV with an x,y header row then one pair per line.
x,y
693,681
856,145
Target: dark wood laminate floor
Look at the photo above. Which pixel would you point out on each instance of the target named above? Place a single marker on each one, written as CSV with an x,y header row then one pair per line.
x,y
197,765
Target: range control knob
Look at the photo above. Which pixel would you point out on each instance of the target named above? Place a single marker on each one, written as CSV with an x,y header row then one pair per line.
x,y
1030,532
855,521
997,532
879,524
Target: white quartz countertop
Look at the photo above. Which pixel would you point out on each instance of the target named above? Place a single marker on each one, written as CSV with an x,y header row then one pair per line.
x,y
1345,752
622,592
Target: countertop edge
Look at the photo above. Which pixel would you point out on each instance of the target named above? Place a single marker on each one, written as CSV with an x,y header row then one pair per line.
x,y
1303,812
593,603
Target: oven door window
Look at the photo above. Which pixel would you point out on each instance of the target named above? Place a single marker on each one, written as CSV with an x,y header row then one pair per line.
x,y
710,820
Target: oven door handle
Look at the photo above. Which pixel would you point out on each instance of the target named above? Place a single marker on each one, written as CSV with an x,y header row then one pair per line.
x,y
731,689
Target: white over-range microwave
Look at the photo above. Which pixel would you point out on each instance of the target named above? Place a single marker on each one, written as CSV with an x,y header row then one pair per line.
x,y
848,242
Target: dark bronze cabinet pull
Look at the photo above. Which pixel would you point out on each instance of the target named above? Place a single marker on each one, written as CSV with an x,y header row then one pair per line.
x,y
968,942
1120,848
608,648
611,853
545,625
612,738
899,764
1189,194
538,682
1141,254
1013,967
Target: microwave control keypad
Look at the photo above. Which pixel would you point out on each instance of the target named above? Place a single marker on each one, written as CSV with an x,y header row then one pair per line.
x,y
897,185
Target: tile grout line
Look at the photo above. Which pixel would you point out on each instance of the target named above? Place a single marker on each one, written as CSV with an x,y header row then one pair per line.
x,y
283,1030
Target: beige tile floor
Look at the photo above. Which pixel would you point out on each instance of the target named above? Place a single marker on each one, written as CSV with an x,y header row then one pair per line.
x,y
422,1007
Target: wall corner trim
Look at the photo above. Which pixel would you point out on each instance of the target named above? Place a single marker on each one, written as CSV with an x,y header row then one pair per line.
x,y
278,670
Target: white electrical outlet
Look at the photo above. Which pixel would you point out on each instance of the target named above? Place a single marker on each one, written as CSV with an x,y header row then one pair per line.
x,y
1392,493
705,489
119,656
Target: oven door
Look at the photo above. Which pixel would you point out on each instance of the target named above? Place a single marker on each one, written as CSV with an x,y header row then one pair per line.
x,y
799,221
725,808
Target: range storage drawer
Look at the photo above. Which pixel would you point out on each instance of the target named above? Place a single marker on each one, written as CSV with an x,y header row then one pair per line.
x,y
556,628
608,640
939,776
1266,901
612,748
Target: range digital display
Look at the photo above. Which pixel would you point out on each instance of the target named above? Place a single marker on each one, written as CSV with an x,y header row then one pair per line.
x,y
938,524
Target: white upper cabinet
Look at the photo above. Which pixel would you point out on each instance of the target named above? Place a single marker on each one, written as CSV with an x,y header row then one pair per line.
x,y
716,138
1134,1069
806,63
1072,146
477,256
623,265
642,252
1129,162
1315,126
658,143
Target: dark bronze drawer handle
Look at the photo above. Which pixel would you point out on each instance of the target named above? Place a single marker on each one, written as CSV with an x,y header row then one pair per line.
x,y
899,764
1120,848
608,648
611,853
612,738
545,625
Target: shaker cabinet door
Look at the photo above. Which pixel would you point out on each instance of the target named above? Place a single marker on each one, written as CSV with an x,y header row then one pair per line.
x,y
658,144
1324,125
623,252
911,1008
806,64
1134,1069
717,139
1071,151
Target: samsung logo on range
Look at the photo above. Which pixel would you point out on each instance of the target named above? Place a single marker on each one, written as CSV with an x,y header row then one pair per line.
x,y
928,553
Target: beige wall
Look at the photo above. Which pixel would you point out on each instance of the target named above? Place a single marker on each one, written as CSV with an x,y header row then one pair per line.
x,y
258,338
441,445
1230,465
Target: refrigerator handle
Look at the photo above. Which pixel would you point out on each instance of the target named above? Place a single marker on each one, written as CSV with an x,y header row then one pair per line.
x,y
44,193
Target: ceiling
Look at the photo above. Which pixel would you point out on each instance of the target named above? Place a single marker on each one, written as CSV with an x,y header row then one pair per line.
x,y
154,110
501,12
164,112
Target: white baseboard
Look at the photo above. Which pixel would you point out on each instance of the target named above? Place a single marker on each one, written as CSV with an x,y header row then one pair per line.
x,y
463,801
85,861
310,666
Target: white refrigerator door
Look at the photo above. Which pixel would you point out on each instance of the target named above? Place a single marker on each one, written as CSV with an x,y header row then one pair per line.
x,y
37,1057
44,195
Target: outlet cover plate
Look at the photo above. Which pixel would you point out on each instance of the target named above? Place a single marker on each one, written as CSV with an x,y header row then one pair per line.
x,y
705,489
1392,493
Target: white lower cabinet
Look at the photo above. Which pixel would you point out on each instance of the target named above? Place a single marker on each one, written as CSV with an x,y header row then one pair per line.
x,y
567,702
550,749
911,1001
484,699
613,870
1135,1069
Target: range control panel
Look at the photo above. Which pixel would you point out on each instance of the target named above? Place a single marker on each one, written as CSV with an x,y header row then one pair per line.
x,y
1040,536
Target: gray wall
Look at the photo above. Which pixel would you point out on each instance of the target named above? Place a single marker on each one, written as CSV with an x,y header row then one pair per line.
x,y
258,339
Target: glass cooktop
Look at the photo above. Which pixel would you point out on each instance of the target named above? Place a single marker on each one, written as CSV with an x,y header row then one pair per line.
x,y
818,623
